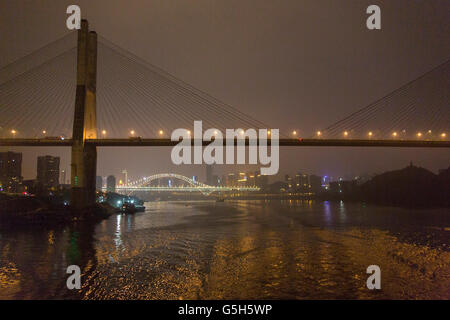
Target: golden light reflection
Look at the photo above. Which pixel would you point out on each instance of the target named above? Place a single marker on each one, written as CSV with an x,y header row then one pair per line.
x,y
51,237
10,277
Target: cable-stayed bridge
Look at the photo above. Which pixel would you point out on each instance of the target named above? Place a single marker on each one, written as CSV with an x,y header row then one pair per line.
x,y
88,92
136,99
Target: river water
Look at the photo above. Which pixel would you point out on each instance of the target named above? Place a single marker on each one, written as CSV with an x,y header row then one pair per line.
x,y
235,250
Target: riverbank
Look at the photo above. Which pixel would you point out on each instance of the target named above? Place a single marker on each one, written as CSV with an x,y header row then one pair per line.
x,y
330,196
26,210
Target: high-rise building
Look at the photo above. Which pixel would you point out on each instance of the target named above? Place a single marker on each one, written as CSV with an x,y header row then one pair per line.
x,y
251,179
242,179
288,181
231,180
302,183
111,184
99,182
63,177
326,182
48,172
10,171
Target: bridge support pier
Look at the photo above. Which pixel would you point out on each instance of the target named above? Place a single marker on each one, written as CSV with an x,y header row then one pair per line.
x,y
90,167
84,157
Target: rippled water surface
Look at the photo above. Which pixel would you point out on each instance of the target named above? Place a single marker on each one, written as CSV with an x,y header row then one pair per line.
x,y
235,250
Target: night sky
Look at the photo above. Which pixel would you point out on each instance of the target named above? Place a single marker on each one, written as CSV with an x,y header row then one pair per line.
x,y
294,64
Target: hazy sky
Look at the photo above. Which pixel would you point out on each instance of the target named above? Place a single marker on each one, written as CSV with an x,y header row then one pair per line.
x,y
294,64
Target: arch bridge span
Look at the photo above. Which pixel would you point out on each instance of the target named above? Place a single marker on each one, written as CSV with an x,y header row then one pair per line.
x,y
144,184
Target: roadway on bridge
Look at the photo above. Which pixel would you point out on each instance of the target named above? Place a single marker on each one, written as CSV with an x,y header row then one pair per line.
x,y
138,142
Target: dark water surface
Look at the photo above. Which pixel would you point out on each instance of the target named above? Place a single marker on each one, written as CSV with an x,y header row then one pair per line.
x,y
235,250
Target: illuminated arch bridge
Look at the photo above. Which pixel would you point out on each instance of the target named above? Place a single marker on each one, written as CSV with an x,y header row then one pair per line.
x,y
144,184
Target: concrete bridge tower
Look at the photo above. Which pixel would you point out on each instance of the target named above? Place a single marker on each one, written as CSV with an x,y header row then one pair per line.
x,y
84,156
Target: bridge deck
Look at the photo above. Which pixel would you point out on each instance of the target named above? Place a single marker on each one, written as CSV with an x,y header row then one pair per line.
x,y
136,142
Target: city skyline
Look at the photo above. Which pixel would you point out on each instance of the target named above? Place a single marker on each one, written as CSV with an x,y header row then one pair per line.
x,y
49,173
434,160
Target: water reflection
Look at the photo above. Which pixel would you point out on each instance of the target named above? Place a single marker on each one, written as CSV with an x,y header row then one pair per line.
x,y
327,212
118,234
239,250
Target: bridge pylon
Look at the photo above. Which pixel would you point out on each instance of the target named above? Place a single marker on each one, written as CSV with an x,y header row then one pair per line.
x,y
84,157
